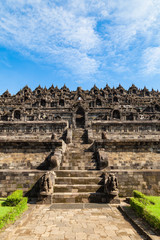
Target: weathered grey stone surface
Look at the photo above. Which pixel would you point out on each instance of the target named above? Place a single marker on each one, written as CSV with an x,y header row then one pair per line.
x,y
73,224
69,136
147,181
116,130
124,123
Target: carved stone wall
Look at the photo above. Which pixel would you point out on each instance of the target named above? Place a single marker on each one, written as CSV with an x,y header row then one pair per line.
x,y
26,155
109,104
124,127
12,180
32,129
147,181
127,120
131,153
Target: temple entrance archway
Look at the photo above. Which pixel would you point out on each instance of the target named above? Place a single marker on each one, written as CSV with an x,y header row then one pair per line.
x,y
116,114
80,118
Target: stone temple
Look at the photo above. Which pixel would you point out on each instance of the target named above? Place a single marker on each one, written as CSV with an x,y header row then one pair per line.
x,y
61,146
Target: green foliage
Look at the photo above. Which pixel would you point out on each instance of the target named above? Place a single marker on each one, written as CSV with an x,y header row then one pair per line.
x,y
14,198
138,194
13,212
5,219
4,210
144,201
152,219
154,200
147,207
137,206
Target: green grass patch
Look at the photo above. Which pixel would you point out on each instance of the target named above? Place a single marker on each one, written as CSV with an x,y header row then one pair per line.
x,y
14,198
147,207
12,207
154,208
4,210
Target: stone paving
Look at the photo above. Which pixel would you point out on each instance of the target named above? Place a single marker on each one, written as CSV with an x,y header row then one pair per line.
x,y
48,223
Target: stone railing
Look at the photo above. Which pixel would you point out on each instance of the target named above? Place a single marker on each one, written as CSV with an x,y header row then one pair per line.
x,y
54,159
69,135
127,127
90,137
34,128
102,159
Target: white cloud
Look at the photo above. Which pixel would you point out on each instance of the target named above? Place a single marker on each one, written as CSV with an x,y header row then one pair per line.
x,y
132,18
51,32
151,60
84,35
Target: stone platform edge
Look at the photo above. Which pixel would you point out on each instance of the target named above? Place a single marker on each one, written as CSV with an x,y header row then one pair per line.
x,y
143,227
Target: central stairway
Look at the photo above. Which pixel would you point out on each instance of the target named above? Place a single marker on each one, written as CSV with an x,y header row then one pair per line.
x,y
78,180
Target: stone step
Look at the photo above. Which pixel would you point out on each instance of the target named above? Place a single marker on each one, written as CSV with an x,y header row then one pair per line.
x,y
78,188
79,137
73,145
78,168
77,140
82,173
77,148
79,197
72,162
68,167
76,162
80,165
78,130
78,134
77,156
80,160
79,180
78,152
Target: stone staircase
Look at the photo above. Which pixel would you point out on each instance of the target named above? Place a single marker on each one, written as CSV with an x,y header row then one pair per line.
x,y
78,181
78,155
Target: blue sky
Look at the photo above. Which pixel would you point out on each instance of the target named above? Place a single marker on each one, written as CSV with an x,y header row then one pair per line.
x,y
79,43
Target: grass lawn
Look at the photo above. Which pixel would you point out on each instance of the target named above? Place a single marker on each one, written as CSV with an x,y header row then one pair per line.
x,y
147,207
4,209
154,208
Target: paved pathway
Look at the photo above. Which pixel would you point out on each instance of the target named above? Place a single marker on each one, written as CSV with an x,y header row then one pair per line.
x,y
75,224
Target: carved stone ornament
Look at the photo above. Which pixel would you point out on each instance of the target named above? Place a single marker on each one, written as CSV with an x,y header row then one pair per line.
x,y
111,188
47,183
